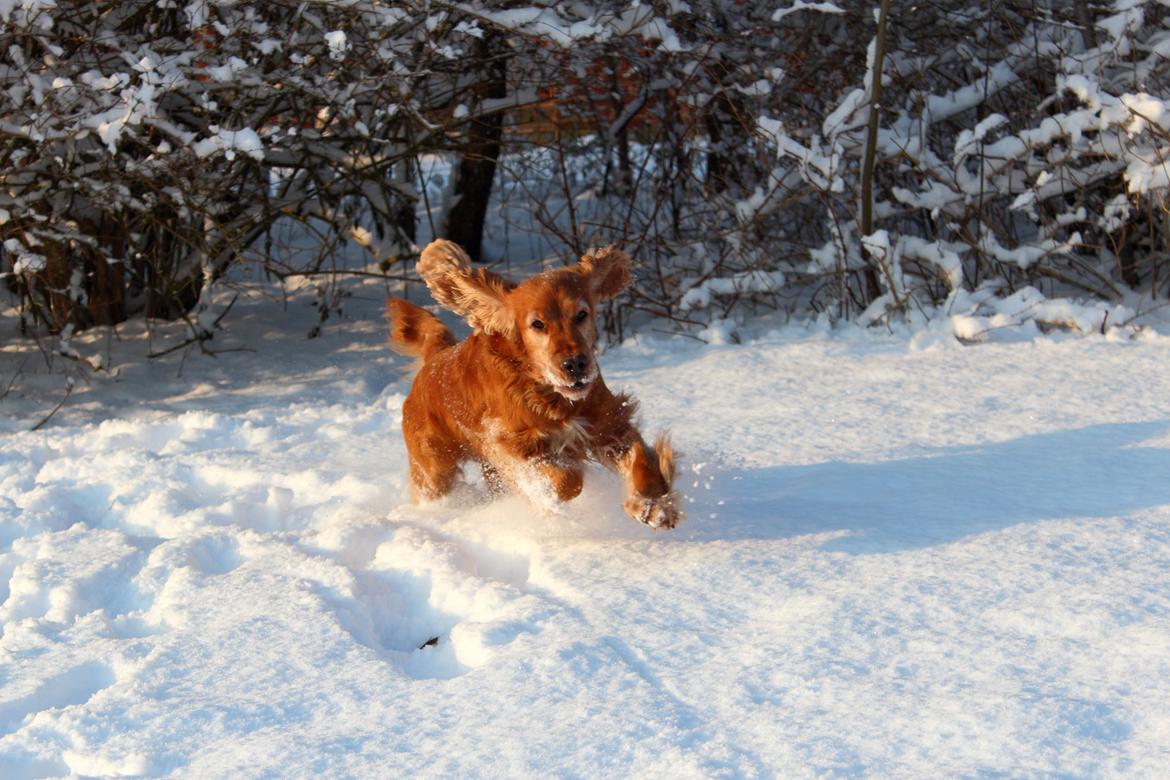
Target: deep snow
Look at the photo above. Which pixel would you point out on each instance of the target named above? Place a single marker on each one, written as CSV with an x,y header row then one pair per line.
x,y
903,557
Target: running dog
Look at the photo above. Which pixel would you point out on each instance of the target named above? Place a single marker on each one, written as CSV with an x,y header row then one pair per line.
x,y
523,395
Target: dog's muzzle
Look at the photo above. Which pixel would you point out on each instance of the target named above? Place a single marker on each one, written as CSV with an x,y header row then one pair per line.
x,y
580,374
577,391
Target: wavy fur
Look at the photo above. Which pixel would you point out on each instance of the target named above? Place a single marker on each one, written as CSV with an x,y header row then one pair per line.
x,y
522,395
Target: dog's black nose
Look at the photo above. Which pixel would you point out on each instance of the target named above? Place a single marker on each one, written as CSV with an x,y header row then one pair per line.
x,y
576,365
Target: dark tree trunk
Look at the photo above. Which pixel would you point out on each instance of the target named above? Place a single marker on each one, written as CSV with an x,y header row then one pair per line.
x,y
162,276
728,134
476,171
106,282
48,294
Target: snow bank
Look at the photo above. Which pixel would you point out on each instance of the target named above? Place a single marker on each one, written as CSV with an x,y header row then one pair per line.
x,y
899,561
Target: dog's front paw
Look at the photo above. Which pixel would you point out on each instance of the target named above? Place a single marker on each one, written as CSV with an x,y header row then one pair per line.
x,y
658,513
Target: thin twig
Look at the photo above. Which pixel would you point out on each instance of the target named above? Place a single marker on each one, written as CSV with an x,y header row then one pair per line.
x,y
198,336
49,416
15,375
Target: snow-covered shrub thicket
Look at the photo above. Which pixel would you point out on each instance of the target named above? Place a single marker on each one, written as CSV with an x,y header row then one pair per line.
x,y
1012,156
1018,154
1015,155
650,141
147,146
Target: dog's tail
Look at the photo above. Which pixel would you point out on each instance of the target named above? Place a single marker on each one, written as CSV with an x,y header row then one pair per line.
x,y
414,331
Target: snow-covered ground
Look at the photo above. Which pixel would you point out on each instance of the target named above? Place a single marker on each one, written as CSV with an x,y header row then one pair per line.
x,y
903,557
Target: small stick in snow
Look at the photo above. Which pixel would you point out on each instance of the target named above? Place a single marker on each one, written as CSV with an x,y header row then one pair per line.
x,y
49,416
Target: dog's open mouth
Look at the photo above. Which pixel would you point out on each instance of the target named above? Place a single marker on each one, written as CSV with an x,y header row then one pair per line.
x,y
576,391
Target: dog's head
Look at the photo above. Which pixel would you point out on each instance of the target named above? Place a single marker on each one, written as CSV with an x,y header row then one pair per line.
x,y
549,317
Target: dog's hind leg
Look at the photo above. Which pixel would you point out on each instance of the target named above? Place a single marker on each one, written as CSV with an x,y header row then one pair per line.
x,y
434,465
429,483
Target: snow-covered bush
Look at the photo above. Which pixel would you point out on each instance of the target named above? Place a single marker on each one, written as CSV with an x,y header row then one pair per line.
x,y
1017,147
746,153
148,146
1014,146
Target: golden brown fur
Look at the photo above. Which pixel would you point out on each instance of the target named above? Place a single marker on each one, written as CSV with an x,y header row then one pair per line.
x,y
523,394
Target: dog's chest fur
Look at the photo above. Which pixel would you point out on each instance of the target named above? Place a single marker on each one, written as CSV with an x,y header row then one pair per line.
x,y
570,440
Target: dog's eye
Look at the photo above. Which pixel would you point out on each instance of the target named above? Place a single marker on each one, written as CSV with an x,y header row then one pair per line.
x,y
582,315
538,325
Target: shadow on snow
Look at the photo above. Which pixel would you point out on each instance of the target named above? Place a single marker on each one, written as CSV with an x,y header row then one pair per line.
x,y
1097,471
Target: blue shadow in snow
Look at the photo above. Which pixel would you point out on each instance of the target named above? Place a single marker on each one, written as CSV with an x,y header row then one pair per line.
x,y
1097,471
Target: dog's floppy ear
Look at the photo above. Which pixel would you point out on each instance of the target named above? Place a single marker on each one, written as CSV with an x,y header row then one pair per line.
x,y
476,295
608,271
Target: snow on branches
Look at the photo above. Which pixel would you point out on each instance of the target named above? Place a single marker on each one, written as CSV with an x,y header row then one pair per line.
x,y
1020,151
151,146
736,149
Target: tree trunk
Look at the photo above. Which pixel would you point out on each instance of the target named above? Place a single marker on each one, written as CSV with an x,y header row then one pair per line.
x,y
78,286
874,289
728,139
472,188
